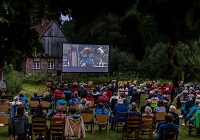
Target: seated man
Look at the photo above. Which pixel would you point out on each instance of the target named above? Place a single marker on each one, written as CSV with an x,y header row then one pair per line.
x,y
132,112
168,127
35,97
120,107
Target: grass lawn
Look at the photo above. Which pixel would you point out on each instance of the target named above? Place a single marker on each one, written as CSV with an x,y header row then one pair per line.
x,y
99,135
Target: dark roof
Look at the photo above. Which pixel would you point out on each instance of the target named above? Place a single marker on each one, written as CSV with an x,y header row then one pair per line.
x,y
41,28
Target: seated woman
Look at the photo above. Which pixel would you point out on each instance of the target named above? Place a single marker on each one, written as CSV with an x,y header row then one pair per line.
x,y
61,101
83,103
22,97
73,99
172,110
154,100
101,110
14,105
19,125
90,98
87,108
126,102
160,107
72,114
148,112
59,114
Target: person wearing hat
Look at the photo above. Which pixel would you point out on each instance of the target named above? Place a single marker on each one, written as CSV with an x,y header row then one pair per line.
x,y
120,107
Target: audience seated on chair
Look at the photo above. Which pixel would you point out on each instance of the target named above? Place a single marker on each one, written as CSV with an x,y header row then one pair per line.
x,y
62,100
35,97
196,119
105,97
148,103
59,114
83,103
168,127
14,105
74,126
159,107
126,102
133,111
172,110
23,98
73,99
101,110
40,114
90,97
19,125
120,107
187,105
67,93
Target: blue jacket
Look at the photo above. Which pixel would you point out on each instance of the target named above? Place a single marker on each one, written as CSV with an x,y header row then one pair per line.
x,y
67,94
119,108
188,104
35,98
167,128
99,111
61,102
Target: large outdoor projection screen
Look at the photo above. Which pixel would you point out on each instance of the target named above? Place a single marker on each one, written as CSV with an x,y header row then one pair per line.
x,y
85,58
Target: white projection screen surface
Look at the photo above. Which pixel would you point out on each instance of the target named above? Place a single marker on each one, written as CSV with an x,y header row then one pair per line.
x,y
85,58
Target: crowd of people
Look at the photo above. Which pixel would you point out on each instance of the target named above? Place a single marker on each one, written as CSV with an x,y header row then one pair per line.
x,y
120,97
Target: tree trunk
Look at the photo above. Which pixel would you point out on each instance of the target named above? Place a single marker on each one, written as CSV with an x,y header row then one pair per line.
x,y
2,80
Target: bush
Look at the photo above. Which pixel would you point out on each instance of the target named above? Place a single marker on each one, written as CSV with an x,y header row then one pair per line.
x,y
13,82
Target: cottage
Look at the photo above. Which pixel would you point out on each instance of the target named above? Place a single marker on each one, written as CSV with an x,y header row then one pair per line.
x,y
52,38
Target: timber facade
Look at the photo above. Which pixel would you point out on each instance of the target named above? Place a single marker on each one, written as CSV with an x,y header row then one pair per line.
x,y
52,37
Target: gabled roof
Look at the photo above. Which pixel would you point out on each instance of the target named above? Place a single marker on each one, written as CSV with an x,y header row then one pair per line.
x,y
41,28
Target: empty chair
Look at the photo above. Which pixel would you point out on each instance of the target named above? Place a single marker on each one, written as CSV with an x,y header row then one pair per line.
x,y
57,126
147,126
4,119
88,120
170,135
102,119
38,128
132,128
33,105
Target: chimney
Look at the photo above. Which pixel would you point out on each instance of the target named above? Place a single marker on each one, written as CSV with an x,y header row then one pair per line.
x,y
44,21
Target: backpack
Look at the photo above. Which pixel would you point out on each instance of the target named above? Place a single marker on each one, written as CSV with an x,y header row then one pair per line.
x,y
51,113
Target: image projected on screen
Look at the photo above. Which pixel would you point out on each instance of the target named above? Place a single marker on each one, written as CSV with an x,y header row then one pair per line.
x,y
85,58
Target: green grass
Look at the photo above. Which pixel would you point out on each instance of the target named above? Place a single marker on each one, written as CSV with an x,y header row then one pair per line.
x,y
99,135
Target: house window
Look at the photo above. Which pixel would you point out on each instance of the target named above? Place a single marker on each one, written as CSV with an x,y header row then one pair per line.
x,y
59,65
50,65
36,65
